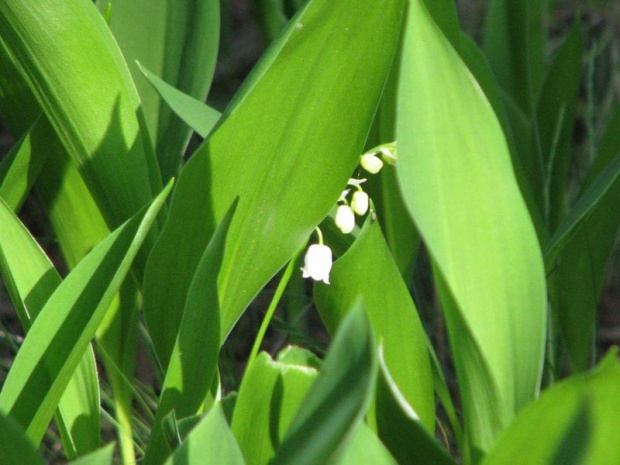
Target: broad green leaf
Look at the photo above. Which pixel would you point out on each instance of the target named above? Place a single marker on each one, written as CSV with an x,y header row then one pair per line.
x,y
399,426
547,430
178,41
31,279
197,115
20,167
79,227
282,136
555,115
101,456
69,59
514,45
517,129
270,395
368,271
21,449
194,359
60,335
459,185
209,442
339,398
578,274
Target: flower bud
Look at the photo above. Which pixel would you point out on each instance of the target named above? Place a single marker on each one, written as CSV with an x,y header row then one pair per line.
x,y
371,163
318,263
359,202
345,219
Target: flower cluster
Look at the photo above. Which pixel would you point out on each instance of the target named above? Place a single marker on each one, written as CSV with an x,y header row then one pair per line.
x,y
318,259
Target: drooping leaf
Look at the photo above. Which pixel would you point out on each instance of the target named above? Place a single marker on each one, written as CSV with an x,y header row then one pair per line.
x,y
178,41
459,185
60,335
273,149
270,395
588,404
197,115
368,271
339,398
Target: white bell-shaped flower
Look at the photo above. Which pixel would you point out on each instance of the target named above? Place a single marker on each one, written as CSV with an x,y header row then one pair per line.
x,y
318,263
359,202
371,163
345,219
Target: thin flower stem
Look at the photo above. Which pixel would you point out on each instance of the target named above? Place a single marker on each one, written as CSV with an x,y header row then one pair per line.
x,y
319,233
275,301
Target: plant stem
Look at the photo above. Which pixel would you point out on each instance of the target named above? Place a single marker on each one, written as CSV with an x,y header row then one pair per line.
x,y
272,306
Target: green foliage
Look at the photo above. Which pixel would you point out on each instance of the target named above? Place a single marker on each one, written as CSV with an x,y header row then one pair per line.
x,y
471,274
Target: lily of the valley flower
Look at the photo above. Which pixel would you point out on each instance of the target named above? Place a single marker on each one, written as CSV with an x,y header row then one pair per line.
x,y
318,263
359,202
371,163
345,219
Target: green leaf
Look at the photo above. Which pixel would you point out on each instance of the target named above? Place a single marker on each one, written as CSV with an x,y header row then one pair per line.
x,y
31,279
281,137
368,271
338,400
209,442
269,397
197,115
20,167
555,118
365,448
514,45
193,364
101,456
578,274
178,41
582,409
517,129
79,227
271,16
69,59
60,335
590,199
21,449
399,426
459,185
